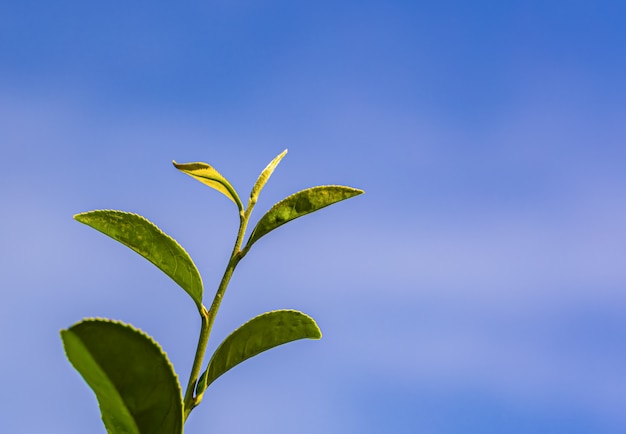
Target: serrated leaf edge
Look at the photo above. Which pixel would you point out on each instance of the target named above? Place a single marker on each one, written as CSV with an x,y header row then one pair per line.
x,y
250,238
202,378
143,334
158,229
135,329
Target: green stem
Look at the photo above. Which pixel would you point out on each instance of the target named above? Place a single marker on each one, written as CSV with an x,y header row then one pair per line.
x,y
205,331
208,317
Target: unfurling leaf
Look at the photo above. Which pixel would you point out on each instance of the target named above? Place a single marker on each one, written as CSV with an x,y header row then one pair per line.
x,y
299,204
133,380
261,333
209,176
145,238
264,176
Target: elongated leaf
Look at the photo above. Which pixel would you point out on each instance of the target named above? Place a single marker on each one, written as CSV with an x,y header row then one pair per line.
x,y
134,382
209,176
299,204
264,176
145,238
261,333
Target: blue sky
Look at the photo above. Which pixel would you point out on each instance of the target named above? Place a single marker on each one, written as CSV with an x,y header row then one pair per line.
x,y
477,287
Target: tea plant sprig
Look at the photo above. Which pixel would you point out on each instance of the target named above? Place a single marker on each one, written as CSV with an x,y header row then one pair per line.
x,y
134,382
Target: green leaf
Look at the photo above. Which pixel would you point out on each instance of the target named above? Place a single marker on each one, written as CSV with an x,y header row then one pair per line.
x,y
299,204
261,333
209,176
134,382
264,176
145,238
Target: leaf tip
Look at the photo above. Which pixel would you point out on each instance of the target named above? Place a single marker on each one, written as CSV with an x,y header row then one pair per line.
x,y
179,166
80,217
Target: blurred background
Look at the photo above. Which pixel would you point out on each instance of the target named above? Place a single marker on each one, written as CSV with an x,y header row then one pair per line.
x,y
479,286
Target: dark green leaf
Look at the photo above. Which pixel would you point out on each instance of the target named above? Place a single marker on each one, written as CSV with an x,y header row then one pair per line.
x,y
264,176
134,382
299,204
209,176
262,333
145,238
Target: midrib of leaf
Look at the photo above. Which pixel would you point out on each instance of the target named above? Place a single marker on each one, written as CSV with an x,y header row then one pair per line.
x,y
95,367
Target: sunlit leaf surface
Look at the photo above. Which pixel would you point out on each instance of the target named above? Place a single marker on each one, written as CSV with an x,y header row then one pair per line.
x,y
265,175
134,382
145,238
261,333
299,204
209,176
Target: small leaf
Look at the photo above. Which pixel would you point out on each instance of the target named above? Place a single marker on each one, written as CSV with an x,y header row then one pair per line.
x,y
145,238
264,176
134,382
209,176
299,204
261,333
